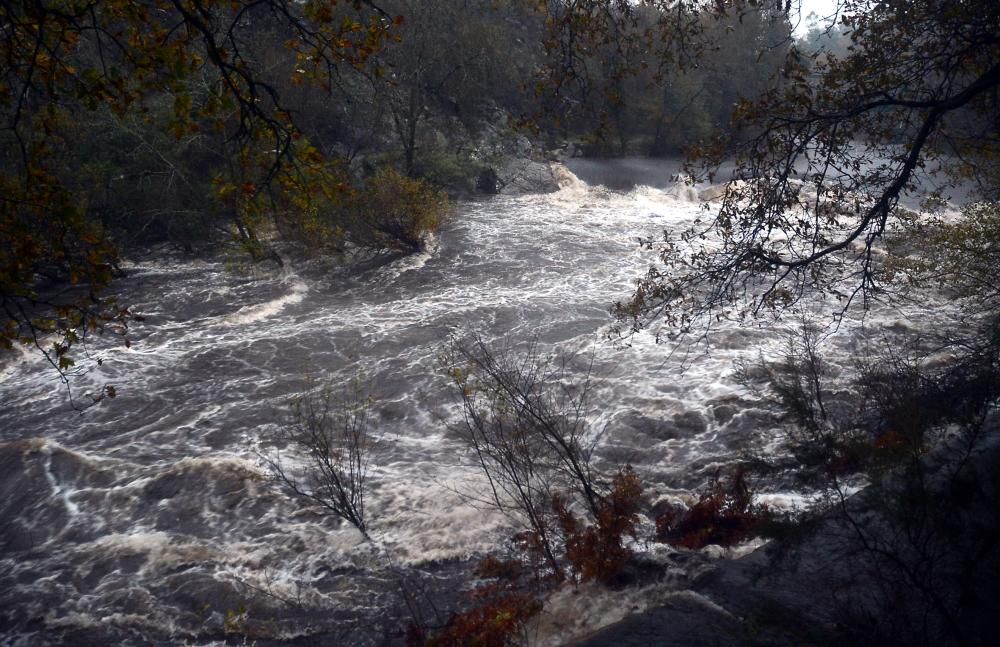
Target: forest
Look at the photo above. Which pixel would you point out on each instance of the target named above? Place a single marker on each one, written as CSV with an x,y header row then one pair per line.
x,y
834,264
335,127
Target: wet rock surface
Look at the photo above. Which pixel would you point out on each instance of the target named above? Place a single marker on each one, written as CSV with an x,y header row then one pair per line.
x,y
523,176
826,585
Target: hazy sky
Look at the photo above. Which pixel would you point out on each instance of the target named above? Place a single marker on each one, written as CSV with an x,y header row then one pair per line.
x,y
822,8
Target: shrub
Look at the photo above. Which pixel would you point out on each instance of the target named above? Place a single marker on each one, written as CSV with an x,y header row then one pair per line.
x,y
597,552
453,171
493,623
524,422
916,547
331,429
725,514
502,607
395,213
508,599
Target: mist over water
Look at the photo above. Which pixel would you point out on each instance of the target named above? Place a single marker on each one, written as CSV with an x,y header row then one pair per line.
x,y
148,517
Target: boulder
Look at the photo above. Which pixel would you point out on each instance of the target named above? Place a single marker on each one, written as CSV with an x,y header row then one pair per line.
x,y
523,176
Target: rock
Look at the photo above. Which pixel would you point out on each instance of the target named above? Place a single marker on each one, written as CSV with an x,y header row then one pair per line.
x,y
488,181
523,176
568,150
686,619
691,423
522,146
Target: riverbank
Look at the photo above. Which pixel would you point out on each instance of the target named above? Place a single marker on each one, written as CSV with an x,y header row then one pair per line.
x,y
867,572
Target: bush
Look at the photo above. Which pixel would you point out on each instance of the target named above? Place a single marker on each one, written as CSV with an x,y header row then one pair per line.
x,y
502,606
392,212
508,598
331,429
524,421
916,547
453,171
597,551
724,515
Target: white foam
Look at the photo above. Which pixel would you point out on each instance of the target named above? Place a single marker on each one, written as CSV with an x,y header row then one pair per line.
x,y
12,359
567,180
297,289
134,542
410,262
59,490
423,515
682,191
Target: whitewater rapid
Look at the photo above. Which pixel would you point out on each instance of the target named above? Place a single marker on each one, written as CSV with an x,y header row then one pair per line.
x,y
149,517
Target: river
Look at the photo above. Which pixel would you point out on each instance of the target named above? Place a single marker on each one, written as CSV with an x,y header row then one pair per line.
x,y
148,518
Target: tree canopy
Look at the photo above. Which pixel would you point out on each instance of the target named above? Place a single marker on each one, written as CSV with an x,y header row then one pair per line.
x,y
203,71
828,157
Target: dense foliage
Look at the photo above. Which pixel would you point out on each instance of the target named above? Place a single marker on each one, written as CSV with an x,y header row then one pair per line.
x,y
88,93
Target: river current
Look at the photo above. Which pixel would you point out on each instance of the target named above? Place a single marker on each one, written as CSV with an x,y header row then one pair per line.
x,y
149,518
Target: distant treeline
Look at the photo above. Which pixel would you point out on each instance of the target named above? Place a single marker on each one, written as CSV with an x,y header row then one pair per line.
x,y
456,88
